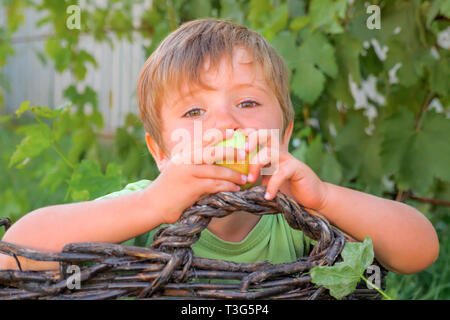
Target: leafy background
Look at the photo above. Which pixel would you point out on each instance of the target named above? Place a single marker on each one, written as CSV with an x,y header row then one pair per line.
x,y
372,106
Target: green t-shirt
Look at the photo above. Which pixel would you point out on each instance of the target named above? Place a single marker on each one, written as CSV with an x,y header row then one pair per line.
x,y
272,239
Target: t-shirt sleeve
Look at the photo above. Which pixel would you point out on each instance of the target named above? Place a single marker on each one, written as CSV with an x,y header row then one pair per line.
x,y
129,188
142,239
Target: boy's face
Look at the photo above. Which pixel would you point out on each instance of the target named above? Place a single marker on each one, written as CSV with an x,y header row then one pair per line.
x,y
240,99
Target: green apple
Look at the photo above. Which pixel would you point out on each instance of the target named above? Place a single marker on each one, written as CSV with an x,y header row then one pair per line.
x,y
238,141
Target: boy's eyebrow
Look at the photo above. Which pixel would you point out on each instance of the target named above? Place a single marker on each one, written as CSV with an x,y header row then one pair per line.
x,y
238,86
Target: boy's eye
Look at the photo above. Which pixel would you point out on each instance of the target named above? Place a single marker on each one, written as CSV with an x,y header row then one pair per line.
x,y
193,113
196,112
248,104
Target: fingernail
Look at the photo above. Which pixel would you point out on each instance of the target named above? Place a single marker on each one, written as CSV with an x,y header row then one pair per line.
x,y
244,178
266,196
242,154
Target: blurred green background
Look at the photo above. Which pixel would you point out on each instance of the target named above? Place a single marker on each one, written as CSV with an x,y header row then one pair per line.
x,y
372,105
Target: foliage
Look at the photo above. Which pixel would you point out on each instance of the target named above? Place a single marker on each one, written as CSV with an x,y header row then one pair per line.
x,y
341,278
372,106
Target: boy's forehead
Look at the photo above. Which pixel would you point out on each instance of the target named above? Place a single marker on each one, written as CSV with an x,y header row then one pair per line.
x,y
240,56
243,71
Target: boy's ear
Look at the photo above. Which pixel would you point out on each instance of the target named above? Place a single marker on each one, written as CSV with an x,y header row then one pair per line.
x,y
287,133
155,151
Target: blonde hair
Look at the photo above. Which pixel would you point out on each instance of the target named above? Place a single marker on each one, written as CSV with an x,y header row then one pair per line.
x,y
180,58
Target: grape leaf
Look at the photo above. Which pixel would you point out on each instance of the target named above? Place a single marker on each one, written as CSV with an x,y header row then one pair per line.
x,y
439,75
299,23
323,163
278,21
348,50
296,7
38,138
342,278
232,9
416,154
259,12
24,106
407,73
316,49
88,182
46,112
315,55
359,153
325,13
284,43
307,82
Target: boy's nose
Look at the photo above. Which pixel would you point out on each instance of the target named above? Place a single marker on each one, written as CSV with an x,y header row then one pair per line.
x,y
225,120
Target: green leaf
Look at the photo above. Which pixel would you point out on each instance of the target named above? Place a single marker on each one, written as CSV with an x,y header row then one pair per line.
x,y
199,9
445,8
407,74
45,112
284,43
416,156
359,153
24,106
277,22
5,119
259,12
314,56
232,9
296,7
326,14
440,75
342,278
56,176
299,23
316,49
88,182
38,139
322,162
61,56
435,127
82,139
433,11
359,255
307,82
80,99
348,50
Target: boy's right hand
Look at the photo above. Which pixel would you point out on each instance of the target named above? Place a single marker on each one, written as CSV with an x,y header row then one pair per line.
x,y
183,181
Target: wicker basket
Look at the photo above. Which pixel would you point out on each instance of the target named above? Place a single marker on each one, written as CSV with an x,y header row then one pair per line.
x,y
168,268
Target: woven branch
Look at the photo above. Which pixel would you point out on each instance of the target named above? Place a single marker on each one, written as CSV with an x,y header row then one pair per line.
x,y
168,268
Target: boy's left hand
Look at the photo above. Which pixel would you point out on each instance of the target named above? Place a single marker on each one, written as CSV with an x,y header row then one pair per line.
x,y
291,176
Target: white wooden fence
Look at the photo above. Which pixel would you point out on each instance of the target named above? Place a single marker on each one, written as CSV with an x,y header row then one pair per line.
x,y
114,80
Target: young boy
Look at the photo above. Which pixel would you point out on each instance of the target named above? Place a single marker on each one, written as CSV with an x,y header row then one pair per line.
x,y
228,78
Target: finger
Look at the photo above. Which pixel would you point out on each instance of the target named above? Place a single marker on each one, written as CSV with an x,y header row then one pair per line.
x,y
281,174
209,171
259,138
216,185
259,160
247,132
